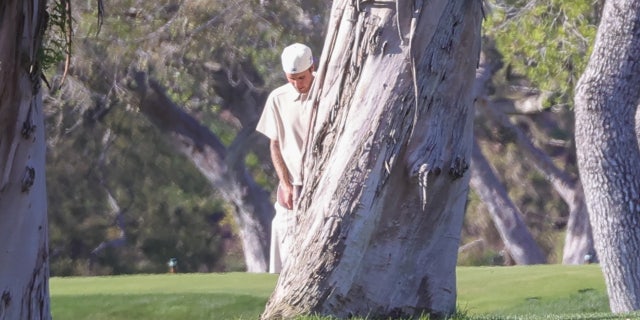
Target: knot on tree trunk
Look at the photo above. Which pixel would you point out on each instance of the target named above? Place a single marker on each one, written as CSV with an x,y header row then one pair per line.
x,y
458,167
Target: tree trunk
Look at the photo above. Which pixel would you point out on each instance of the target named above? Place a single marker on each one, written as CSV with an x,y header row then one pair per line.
x,y
578,246
504,213
579,238
223,167
386,178
578,241
514,233
24,262
606,101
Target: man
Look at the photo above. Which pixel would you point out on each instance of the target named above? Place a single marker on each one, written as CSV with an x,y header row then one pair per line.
x,y
285,121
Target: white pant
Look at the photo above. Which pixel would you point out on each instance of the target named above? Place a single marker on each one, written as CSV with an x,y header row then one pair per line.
x,y
282,225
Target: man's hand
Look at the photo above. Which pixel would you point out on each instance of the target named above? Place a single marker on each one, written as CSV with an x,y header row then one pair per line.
x,y
285,195
285,189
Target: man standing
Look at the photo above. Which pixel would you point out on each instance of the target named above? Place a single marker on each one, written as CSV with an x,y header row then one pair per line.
x,y
285,121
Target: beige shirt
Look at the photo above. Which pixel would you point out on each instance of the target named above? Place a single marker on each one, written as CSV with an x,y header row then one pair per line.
x,y
286,119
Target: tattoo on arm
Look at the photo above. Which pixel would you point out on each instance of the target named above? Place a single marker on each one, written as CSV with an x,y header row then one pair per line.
x,y
278,162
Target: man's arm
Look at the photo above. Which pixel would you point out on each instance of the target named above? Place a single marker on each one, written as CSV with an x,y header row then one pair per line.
x,y
283,174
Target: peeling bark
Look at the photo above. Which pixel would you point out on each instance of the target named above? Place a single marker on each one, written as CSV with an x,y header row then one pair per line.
x,y
24,263
386,171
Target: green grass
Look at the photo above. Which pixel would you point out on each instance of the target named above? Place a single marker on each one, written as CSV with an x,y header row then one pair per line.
x,y
495,289
171,296
501,293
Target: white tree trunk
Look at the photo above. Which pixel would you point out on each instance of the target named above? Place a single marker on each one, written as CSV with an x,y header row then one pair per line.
x,y
606,100
223,167
24,268
505,215
386,177
578,239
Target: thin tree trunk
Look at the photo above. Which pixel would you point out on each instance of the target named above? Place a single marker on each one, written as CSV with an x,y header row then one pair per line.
x,y
606,102
504,213
514,233
386,175
223,167
24,262
578,239
578,246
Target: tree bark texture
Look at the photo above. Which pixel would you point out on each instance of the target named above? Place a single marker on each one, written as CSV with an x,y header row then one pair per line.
x,y
24,262
224,168
505,215
386,169
606,101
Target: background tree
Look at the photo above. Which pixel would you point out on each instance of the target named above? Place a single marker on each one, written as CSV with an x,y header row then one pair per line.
x,y
216,61
606,100
386,175
224,167
507,218
217,85
115,181
525,128
24,262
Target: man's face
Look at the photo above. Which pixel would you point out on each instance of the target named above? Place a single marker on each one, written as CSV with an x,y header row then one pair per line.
x,y
301,81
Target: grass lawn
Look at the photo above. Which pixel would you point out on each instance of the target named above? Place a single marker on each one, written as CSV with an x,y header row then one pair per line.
x,y
165,296
532,292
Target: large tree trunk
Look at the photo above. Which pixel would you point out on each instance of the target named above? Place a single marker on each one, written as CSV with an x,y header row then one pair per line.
x,y
223,167
386,170
24,263
504,213
606,101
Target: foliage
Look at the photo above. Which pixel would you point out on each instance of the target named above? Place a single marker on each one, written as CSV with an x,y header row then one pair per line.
x,y
98,143
165,203
56,45
542,47
102,152
547,42
543,211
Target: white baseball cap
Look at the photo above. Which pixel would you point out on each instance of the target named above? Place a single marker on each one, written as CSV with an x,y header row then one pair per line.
x,y
296,58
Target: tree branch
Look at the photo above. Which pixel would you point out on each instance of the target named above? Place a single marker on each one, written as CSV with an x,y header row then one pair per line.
x,y
253,207
505,214
563,183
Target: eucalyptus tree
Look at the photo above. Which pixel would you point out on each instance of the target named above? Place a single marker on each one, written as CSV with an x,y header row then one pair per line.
x,y
215,62
606,100
518,241
386,169
117,191
539,69
24,262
